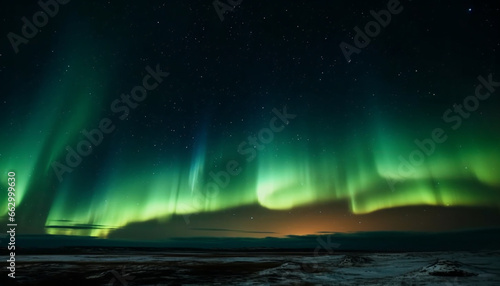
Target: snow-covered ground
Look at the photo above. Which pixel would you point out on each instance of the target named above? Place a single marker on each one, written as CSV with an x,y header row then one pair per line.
x,y
429,268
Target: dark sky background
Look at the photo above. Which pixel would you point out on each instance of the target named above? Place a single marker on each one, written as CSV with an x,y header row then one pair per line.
x,y
257,125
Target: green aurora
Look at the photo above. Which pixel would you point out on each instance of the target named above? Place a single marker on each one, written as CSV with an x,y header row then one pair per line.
x,y
158,164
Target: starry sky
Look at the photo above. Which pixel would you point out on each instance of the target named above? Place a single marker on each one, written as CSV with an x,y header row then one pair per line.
x,y
134,120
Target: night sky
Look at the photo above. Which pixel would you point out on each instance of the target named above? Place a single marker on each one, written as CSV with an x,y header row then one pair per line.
x,y
279,119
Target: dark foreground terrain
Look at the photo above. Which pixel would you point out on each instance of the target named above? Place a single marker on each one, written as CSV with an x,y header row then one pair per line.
x,y
277,268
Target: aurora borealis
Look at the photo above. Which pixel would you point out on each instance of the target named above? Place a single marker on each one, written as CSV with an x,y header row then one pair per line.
x,y
211,146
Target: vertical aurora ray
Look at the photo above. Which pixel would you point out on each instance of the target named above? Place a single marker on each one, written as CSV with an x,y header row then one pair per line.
x,y
198,160
66,102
